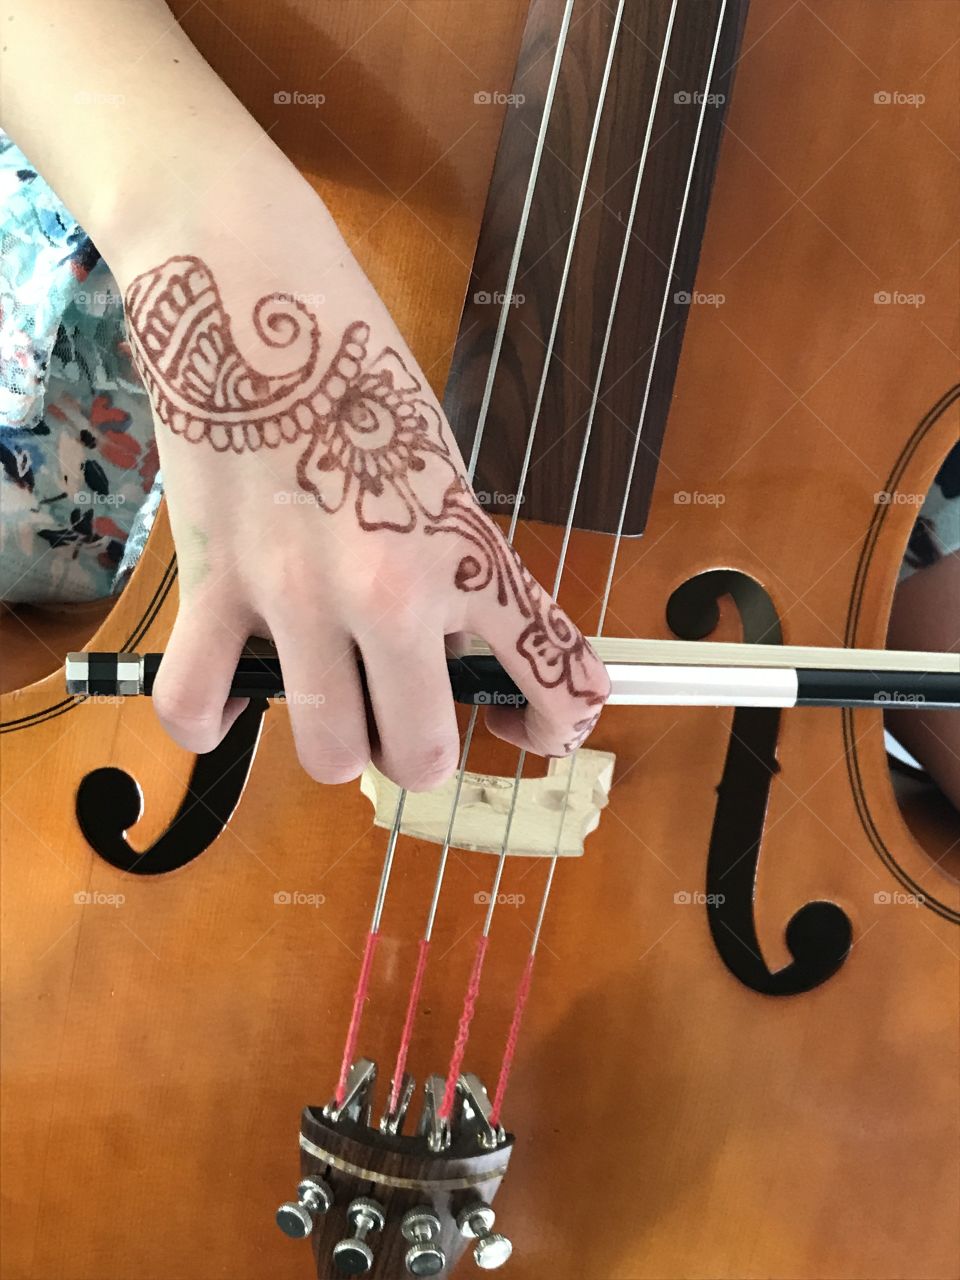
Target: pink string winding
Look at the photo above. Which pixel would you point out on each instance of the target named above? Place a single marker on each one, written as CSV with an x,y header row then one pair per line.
x,y
407,1034
353,1032
463,1030
510,1048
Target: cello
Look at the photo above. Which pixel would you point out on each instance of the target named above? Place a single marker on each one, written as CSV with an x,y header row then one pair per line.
x,y
738,1052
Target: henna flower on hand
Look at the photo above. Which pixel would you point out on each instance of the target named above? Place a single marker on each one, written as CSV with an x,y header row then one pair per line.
x,y
381,446
556,650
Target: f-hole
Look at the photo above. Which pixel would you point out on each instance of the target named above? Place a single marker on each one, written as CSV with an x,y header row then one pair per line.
x,y
109,802
819,934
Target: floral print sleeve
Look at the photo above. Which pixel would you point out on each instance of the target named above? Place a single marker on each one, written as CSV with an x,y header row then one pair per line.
x,y
77,456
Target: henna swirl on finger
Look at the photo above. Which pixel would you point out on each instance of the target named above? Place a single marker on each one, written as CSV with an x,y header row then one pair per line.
x,y
557,652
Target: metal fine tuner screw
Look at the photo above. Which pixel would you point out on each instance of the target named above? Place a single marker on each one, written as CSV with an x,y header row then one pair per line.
x,y
421,1227
353,1256
492,1249
313,1198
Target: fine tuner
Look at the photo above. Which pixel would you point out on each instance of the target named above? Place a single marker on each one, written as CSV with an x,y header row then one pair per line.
x,y
359,1179
642,673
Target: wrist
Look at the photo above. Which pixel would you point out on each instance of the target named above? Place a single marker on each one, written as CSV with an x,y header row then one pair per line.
x,y
242,216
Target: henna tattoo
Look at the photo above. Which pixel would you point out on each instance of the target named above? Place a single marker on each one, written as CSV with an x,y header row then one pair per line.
x,y
368,433
557,652
583,728
383,445
369,436
201,385
493,560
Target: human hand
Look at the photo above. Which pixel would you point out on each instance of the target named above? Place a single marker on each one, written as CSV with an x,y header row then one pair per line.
x,y
317,498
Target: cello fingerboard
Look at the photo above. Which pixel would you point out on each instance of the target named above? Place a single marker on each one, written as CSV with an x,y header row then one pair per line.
x,y
653,301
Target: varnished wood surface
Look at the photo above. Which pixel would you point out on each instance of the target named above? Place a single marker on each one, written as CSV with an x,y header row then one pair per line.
x,y
34,640
670,1121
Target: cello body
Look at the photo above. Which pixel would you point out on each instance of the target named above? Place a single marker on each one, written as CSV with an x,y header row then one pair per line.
x,y
740,1055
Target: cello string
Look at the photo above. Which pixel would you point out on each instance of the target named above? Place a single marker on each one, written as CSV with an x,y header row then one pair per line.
x,y
565,275
523,988
521,237
360,996
663,311
628,234
504,312
413,1000
435,898
366,965
526,977
473,985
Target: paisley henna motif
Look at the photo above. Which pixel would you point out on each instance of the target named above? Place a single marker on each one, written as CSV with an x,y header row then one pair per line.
x,y
370,438
369,435
201,385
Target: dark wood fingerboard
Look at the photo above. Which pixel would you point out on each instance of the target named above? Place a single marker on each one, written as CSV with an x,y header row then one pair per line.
x,y
573,369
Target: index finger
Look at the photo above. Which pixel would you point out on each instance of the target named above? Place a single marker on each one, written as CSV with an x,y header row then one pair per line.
x,y
553,665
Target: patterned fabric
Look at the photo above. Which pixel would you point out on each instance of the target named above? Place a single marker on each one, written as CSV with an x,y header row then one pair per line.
x,y
77,456
936,531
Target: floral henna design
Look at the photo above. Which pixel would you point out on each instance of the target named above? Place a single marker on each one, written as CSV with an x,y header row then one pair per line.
x,y
557,652
368,433
383,446
370,438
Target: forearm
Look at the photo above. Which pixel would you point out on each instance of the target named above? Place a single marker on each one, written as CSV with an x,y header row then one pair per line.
x,y
142,136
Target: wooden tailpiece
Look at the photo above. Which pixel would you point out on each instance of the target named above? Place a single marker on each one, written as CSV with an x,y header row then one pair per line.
x,y
381,1203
